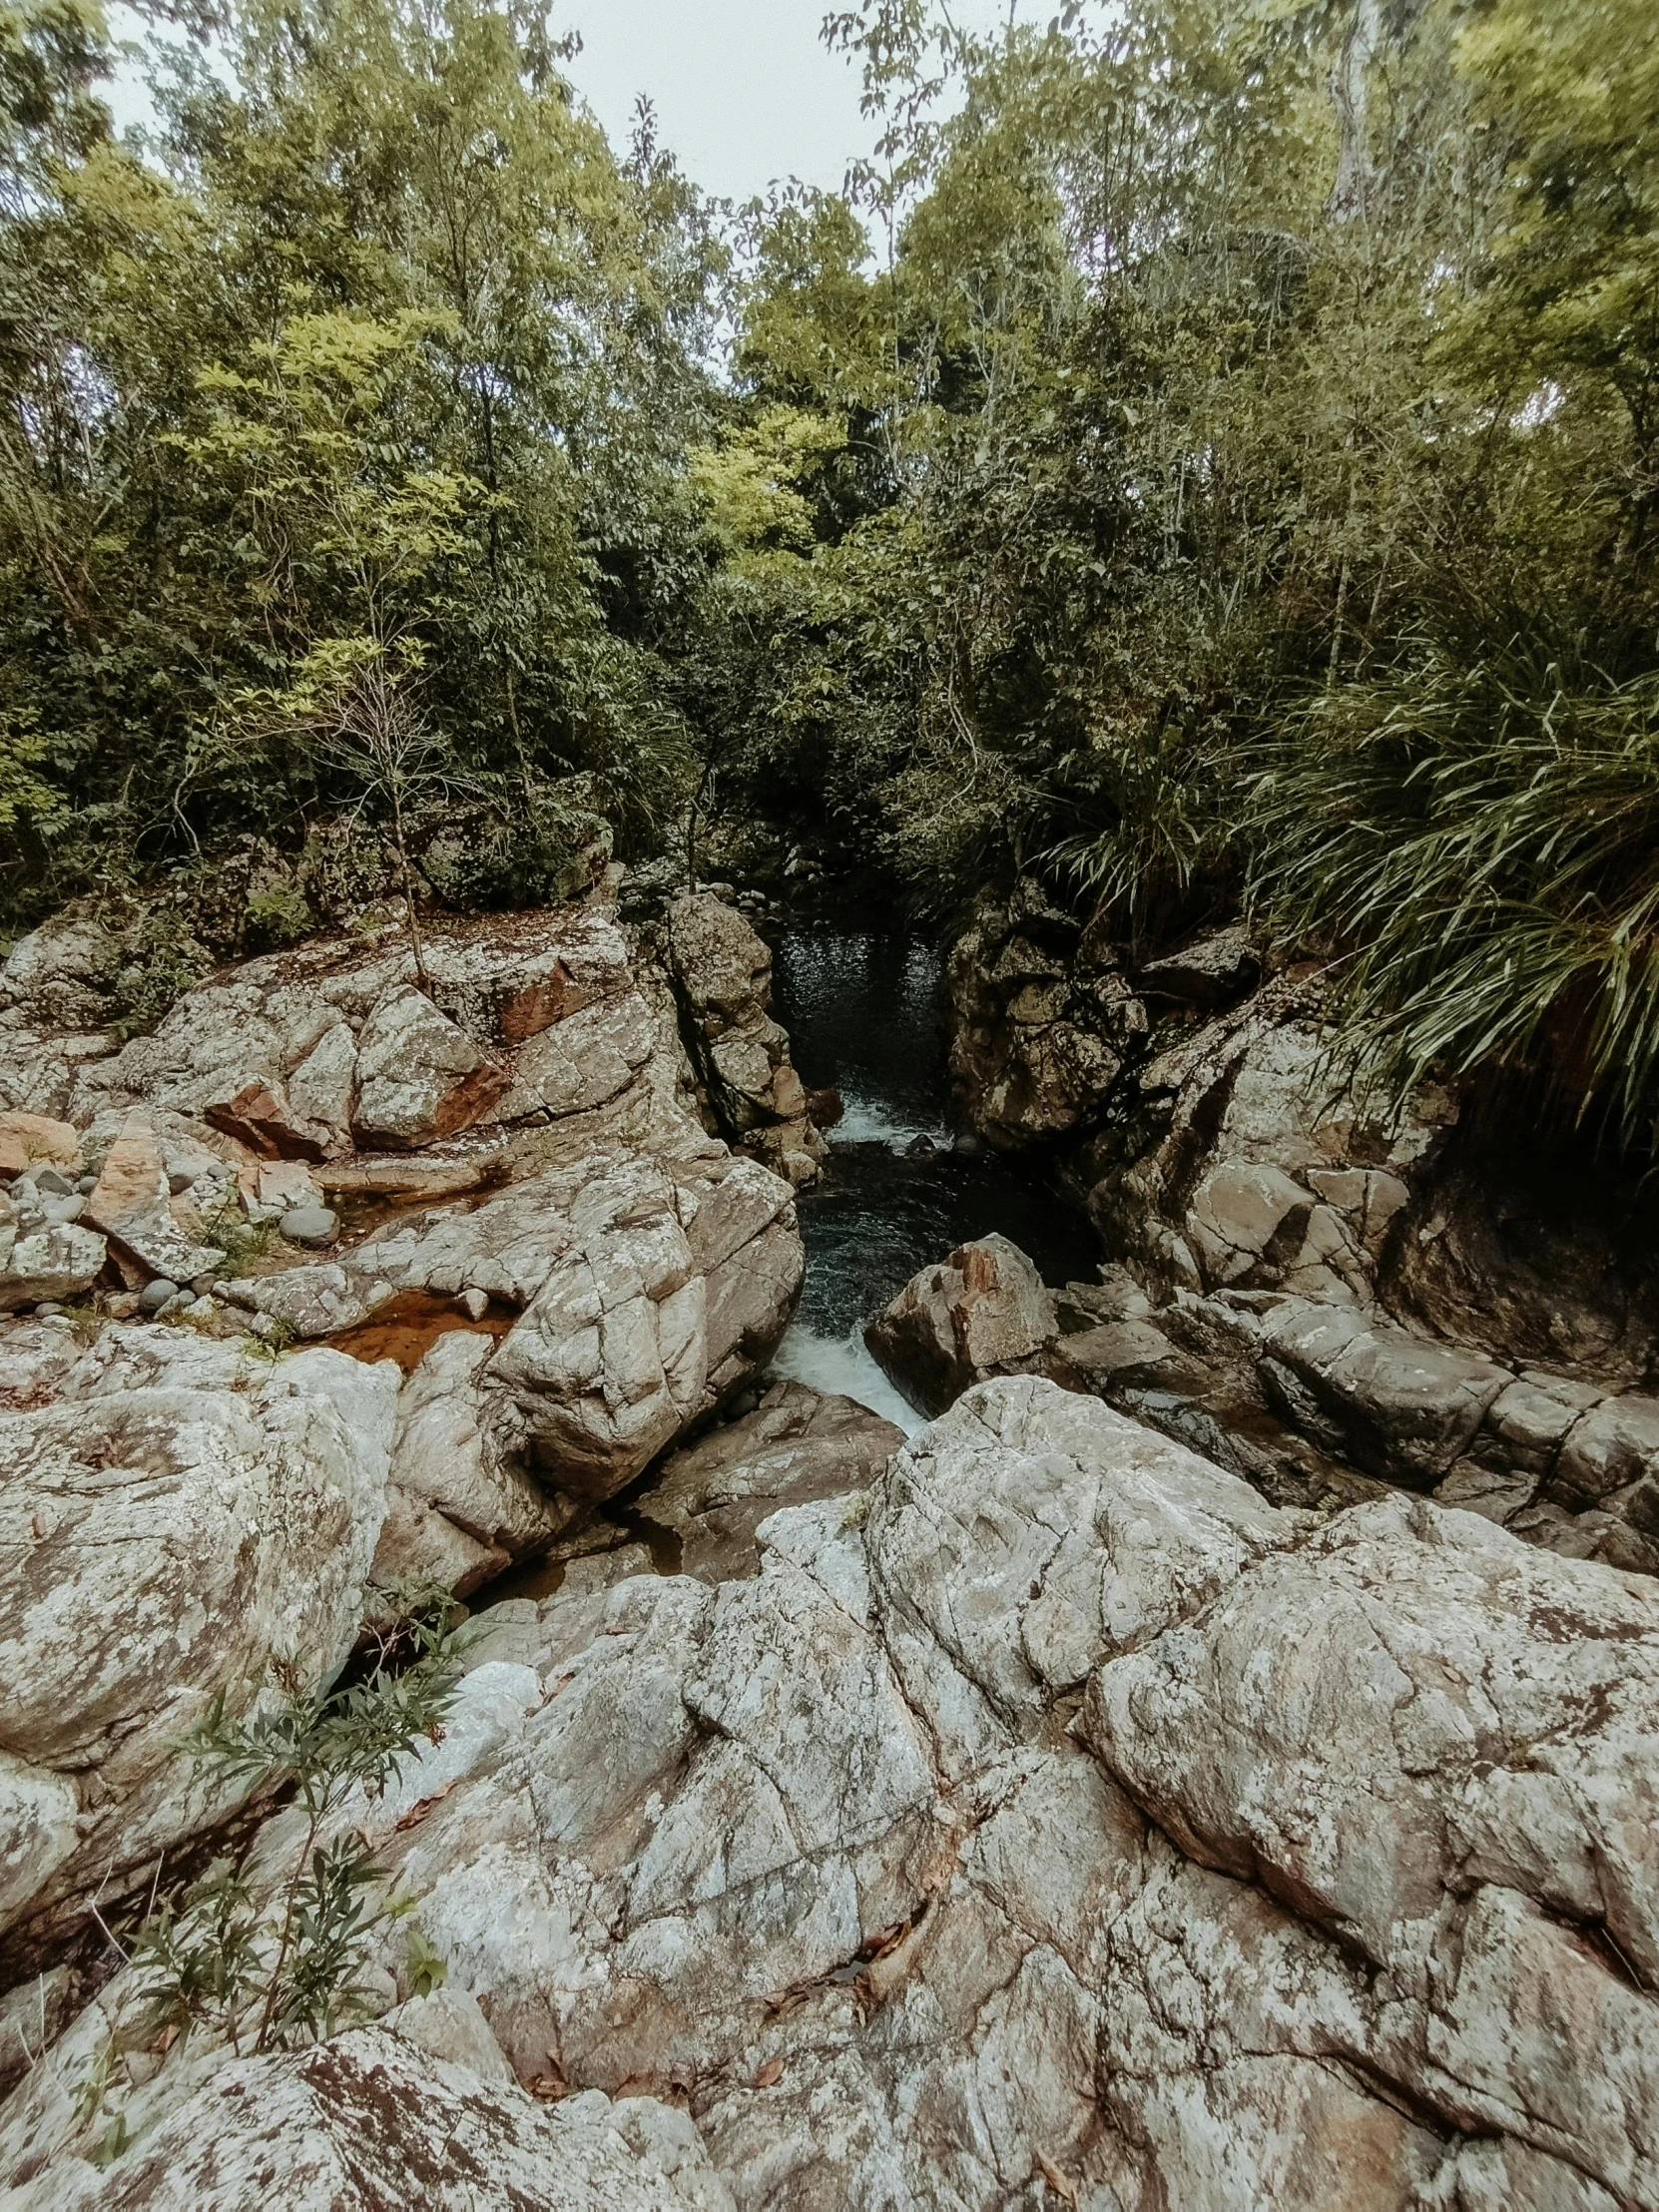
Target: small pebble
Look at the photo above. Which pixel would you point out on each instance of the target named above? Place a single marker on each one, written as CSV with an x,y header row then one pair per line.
x,y
178,1181
86,1185
52,1183
156,1295
310,1225
48,1309
474,1305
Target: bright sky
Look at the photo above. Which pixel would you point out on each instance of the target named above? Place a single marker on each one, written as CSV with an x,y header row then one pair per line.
x,y
745,90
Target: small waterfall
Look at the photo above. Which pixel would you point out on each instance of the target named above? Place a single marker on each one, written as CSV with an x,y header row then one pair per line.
x,y
866,1012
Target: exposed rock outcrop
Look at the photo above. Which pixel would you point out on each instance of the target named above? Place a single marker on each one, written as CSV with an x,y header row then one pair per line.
x,y
1044,1021
721,973
1338,1892
175,1514
363,2121
1319,1294
533,1095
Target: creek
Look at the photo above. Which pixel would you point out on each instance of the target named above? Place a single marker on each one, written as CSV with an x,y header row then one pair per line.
x,y
866,1012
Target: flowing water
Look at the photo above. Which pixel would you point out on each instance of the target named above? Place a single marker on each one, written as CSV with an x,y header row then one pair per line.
x,y
867,1013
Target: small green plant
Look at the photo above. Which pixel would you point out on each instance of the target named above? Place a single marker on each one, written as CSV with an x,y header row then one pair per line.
x,y
427,1970
275,919
241,1241
110,2143
161,961
266,1971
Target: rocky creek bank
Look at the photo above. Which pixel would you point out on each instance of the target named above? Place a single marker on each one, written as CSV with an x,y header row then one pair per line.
x,y
1326,1299
1037,1810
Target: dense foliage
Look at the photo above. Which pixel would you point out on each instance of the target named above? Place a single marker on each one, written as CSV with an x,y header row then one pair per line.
x,y
345,416
1208,457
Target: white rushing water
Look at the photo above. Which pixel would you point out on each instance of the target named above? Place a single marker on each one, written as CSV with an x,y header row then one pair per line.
x,y
866,1012
841,1366
869,1121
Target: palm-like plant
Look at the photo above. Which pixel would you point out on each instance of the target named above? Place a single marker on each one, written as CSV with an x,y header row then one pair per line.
x,y
1481,846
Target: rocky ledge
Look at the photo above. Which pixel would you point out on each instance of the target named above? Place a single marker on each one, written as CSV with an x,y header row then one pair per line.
x,y
1050,1820
1325,1297
478,1185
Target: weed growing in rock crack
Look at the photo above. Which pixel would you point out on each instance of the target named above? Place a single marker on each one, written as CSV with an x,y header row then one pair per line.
x,y
264,1968
272,1345
242,1242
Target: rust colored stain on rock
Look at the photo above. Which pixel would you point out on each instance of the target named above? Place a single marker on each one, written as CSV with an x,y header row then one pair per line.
x,y
259,1118
408,1329
538,1005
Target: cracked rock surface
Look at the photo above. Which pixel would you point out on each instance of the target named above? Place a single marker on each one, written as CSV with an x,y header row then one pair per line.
x,y
174,1512
566,1271
1057,1818
373,2117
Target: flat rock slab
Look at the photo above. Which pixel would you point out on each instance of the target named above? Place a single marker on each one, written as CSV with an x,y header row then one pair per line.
x,y
132,1203
1407,1407
794,1447
28,1141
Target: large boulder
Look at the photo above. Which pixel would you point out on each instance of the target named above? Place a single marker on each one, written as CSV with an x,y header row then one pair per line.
x,y
1404,1406
983,1311
419,1076
30,1141
722,975
460,1502
60,977
176,1513
310,1053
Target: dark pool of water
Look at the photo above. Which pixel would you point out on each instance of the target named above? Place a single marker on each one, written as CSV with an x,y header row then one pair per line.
x,y
868,1013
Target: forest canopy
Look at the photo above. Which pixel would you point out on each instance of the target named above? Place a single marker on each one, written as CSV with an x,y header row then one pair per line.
x,y
1207,459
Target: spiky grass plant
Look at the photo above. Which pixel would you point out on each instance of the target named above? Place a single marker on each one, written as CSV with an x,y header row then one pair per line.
x,y
1481,846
